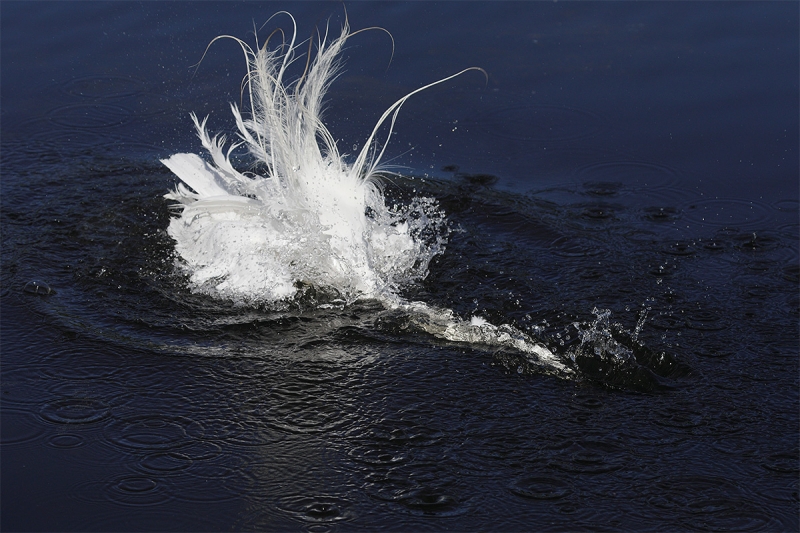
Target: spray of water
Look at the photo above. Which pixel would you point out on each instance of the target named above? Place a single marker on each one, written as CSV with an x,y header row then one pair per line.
x,y
305,217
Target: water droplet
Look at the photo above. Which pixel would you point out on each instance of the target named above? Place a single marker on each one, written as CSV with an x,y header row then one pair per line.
x,y
38,287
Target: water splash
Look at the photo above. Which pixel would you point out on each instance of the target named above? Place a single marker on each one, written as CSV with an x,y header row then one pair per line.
x,y
304,225
610,354
302,216
598,340
446,325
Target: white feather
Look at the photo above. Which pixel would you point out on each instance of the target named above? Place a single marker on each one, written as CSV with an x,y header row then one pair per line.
x,y
311,218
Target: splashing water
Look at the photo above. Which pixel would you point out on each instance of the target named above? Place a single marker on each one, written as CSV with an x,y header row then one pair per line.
x,y
303,217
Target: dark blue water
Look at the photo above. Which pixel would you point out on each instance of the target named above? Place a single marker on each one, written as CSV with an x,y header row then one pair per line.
x,y
639,159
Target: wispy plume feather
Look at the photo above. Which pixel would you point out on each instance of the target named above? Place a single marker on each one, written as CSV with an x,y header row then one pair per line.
x,y
313,224
311,219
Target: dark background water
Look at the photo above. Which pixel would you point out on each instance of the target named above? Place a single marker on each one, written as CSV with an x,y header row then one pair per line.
x,y
622,156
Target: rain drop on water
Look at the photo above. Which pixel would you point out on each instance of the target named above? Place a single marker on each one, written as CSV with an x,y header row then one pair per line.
x,y
38,287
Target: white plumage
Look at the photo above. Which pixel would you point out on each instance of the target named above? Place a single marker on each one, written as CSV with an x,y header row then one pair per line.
x,y
310,219
305,217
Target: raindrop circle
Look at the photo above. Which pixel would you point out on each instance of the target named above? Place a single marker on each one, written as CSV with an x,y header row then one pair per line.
x,y
316,508
613,178
165,462
540,488
75,411
65,441
19,426
727,212
154,432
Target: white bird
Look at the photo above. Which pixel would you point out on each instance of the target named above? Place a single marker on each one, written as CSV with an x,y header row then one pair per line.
x,y
304,217
310,218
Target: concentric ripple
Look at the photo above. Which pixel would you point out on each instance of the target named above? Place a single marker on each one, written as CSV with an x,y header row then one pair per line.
x,y
317,509
19,426
154,432
728,212
75,411
540,488
613,178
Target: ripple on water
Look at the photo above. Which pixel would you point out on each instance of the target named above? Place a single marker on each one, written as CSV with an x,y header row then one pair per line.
x,y
678,417
21,387
127,490
317,509
137,147
680,248
402,433
423,488
787,206
598,211
305,416
707,503
791,273
90,116
661,214
202,450
714,245
727,212
75,411
667,321
574,247
783,463
790,231
19,426
714,352
781,494
611,179
252,423
757,241
149,104
250,431
69,365
706,320
19,155
65,440
540,488
431,500
154,432
736,445
168,462
589,457
64,141
370,456
308,403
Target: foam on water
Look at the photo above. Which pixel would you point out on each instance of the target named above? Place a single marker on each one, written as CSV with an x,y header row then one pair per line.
x,y
302,216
